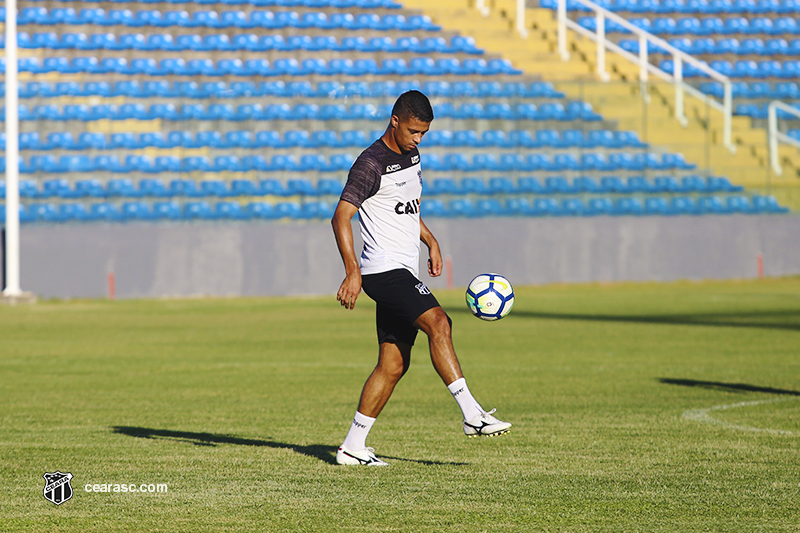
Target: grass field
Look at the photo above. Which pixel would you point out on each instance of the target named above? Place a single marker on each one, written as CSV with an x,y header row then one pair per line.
x,y
636,407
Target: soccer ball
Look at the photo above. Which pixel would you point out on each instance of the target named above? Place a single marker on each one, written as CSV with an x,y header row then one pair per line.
x,y
490,296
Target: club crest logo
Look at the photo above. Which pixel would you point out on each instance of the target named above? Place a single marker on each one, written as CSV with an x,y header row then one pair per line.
x,y
57,488
422,288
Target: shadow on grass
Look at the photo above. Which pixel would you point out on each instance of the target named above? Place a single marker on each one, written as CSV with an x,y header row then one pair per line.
x,y
728,387
785,319
324,453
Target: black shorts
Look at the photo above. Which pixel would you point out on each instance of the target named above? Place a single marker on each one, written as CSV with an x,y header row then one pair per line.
x,y
401,299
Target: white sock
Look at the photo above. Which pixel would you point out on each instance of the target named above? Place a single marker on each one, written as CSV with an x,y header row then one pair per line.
x,y
469,407
356,439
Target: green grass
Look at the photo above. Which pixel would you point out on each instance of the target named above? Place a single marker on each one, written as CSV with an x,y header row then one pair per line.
x,y
238,406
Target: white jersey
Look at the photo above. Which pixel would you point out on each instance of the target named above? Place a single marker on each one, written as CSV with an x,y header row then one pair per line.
x,y
386,187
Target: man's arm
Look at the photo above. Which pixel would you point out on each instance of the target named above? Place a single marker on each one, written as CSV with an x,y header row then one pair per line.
x,y
343,230
434,253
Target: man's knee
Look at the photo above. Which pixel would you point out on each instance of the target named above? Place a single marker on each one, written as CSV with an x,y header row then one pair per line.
x,y
394,361
435,322
392,371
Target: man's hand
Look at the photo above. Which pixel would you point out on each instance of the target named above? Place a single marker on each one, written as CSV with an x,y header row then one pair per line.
x,y
434,253
349,290
351,286
435,261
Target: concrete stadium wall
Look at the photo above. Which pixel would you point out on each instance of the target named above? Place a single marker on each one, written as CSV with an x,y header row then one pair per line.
x,y
253,259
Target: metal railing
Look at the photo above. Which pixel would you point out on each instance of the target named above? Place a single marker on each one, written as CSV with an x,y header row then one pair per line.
x,y
774,136
645,67
679,58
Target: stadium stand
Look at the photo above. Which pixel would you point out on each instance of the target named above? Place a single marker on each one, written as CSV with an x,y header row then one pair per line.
x,y
757,43
255,110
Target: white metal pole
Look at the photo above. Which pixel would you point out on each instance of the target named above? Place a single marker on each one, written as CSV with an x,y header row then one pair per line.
x,y
772,138
601,47
523,32
12,154
727,111
680,112
562,30
643,63
643,58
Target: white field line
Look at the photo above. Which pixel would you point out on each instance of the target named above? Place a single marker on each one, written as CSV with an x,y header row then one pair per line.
x,y
702,415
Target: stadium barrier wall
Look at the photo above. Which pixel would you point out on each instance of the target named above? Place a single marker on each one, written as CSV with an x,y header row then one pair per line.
x,y
255,259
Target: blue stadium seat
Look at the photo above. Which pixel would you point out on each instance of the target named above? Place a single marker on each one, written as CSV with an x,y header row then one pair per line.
x,y
597,161
287,210
559,185
166,163
311,163
105,211
571,207
200,210
545,207
243,187
433,208
32,15
214,187
738,204
168,112
657,205
585,184
300,186
767,204
271,187
54,188
529,184
260,210
473,186
721,184
516,206
501,185
598,206
628,206
195,163
462,207
76,163
613,184
153,187
316,210
73,212
230,211
166,210
45,212
565,162
683,205
329,186
496,138
88,188
441,186
491,207
185,187
137,210
711,205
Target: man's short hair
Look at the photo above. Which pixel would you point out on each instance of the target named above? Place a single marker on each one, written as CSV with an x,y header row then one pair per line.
x,y
413,104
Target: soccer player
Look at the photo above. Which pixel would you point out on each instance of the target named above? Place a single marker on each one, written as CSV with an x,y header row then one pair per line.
x,y
384,186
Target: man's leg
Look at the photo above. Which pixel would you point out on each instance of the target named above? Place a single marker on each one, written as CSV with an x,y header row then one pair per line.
x,y
436,325
393,362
